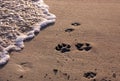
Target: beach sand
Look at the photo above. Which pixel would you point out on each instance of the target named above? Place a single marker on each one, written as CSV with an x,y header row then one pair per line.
x,y
99,26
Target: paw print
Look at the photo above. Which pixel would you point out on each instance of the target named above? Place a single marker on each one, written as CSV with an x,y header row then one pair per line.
x,y
90,75
83,46
63,47
69,30
75,24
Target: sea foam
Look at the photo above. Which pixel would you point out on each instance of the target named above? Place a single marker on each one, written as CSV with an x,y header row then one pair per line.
x,y
14,33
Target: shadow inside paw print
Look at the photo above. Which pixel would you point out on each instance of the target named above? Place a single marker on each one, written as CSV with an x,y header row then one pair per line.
x,y
83,46
63,47
21,76
90,75
79,46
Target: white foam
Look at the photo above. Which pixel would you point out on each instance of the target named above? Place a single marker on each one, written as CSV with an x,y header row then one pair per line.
x,y
5,58
19,44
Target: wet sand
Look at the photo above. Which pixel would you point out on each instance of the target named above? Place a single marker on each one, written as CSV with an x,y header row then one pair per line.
x,y
99,27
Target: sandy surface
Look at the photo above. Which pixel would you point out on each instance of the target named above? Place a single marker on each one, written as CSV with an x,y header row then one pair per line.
x,y
100,27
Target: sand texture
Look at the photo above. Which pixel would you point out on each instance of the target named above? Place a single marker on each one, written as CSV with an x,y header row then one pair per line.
x,y
82,45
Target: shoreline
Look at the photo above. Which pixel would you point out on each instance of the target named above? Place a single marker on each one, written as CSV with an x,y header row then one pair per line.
x,y
19,42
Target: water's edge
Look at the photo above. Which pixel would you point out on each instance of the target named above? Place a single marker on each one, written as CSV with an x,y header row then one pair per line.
x,y
19,43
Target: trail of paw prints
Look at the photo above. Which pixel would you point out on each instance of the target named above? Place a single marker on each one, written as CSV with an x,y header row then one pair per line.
x,y
63,47
72,29
83,46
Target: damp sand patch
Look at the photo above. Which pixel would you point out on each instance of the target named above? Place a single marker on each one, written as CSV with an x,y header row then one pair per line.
x,y
19,21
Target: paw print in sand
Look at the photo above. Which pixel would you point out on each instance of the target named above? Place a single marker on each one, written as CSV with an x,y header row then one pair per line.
x,y
69,30
90,75
63,47
75,24
83,46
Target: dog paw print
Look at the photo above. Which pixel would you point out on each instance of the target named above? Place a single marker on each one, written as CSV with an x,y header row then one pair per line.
x,y
63,47
69,30
75,24
90,75
83,46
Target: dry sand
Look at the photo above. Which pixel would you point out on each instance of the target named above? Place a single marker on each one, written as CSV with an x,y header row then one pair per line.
x,y
99,27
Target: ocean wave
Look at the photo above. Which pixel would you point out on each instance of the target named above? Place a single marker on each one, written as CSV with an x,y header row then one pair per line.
x,y
19,21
